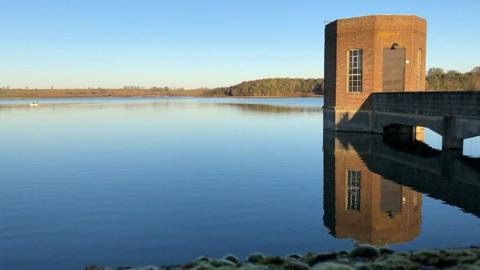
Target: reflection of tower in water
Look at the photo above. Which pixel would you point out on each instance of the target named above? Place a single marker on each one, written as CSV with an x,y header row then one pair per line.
x,y
361,204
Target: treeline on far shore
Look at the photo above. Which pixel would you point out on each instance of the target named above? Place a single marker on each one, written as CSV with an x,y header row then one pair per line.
x,y
279,87
438,79
271,88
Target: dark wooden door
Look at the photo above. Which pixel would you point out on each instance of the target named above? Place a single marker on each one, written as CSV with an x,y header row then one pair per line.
x,y
393,70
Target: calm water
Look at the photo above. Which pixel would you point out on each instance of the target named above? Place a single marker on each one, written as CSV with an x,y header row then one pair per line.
x,y
164,180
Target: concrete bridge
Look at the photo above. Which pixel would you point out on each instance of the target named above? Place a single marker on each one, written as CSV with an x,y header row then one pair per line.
x,y
453,115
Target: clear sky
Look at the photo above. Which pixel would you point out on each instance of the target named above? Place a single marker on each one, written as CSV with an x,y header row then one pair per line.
x,y
201,43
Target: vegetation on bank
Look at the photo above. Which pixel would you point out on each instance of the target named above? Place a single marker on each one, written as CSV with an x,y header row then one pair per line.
x,y
259,88
438,79
271,88
364,257
97,92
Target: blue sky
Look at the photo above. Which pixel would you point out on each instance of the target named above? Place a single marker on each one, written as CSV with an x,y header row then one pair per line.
x,y
201,43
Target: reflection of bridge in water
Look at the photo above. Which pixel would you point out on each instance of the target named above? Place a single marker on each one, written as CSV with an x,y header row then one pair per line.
x,y
372,185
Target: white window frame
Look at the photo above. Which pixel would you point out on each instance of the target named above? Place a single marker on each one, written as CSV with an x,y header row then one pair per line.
x,y
355,71
353,188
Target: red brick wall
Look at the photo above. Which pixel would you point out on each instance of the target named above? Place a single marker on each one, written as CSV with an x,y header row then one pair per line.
x,y
372,34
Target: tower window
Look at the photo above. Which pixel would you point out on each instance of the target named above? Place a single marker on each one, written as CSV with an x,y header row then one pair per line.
x,y
355,62
353,190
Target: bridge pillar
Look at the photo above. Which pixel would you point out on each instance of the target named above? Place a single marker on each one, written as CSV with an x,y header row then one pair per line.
x,y
450,138
451,143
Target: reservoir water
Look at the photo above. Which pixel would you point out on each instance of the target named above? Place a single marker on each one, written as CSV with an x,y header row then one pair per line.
x,y
138,181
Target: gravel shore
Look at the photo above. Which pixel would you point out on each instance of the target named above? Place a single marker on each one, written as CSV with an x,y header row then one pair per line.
x,y
362,257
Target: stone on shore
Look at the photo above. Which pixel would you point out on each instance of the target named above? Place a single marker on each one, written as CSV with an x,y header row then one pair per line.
x,y
255,257
295,256
232,258
332,266
314,259
365,251
394,262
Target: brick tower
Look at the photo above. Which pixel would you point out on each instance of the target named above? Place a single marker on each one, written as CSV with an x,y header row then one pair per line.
x,y
379,53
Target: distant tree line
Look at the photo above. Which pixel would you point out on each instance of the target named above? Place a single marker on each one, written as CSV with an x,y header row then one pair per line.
x,y
271,88
438,79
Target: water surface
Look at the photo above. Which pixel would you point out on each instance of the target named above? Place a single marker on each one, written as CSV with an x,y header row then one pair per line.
x,y
130,181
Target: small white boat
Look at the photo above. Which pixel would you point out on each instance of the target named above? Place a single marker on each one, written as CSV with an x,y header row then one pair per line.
x,y
34,104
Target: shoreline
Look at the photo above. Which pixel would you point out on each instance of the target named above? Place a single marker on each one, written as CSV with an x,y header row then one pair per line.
x,y
179,96
361,257
47,102
145,96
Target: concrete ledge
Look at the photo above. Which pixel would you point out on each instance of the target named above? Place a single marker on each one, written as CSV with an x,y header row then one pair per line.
x,y
348,120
